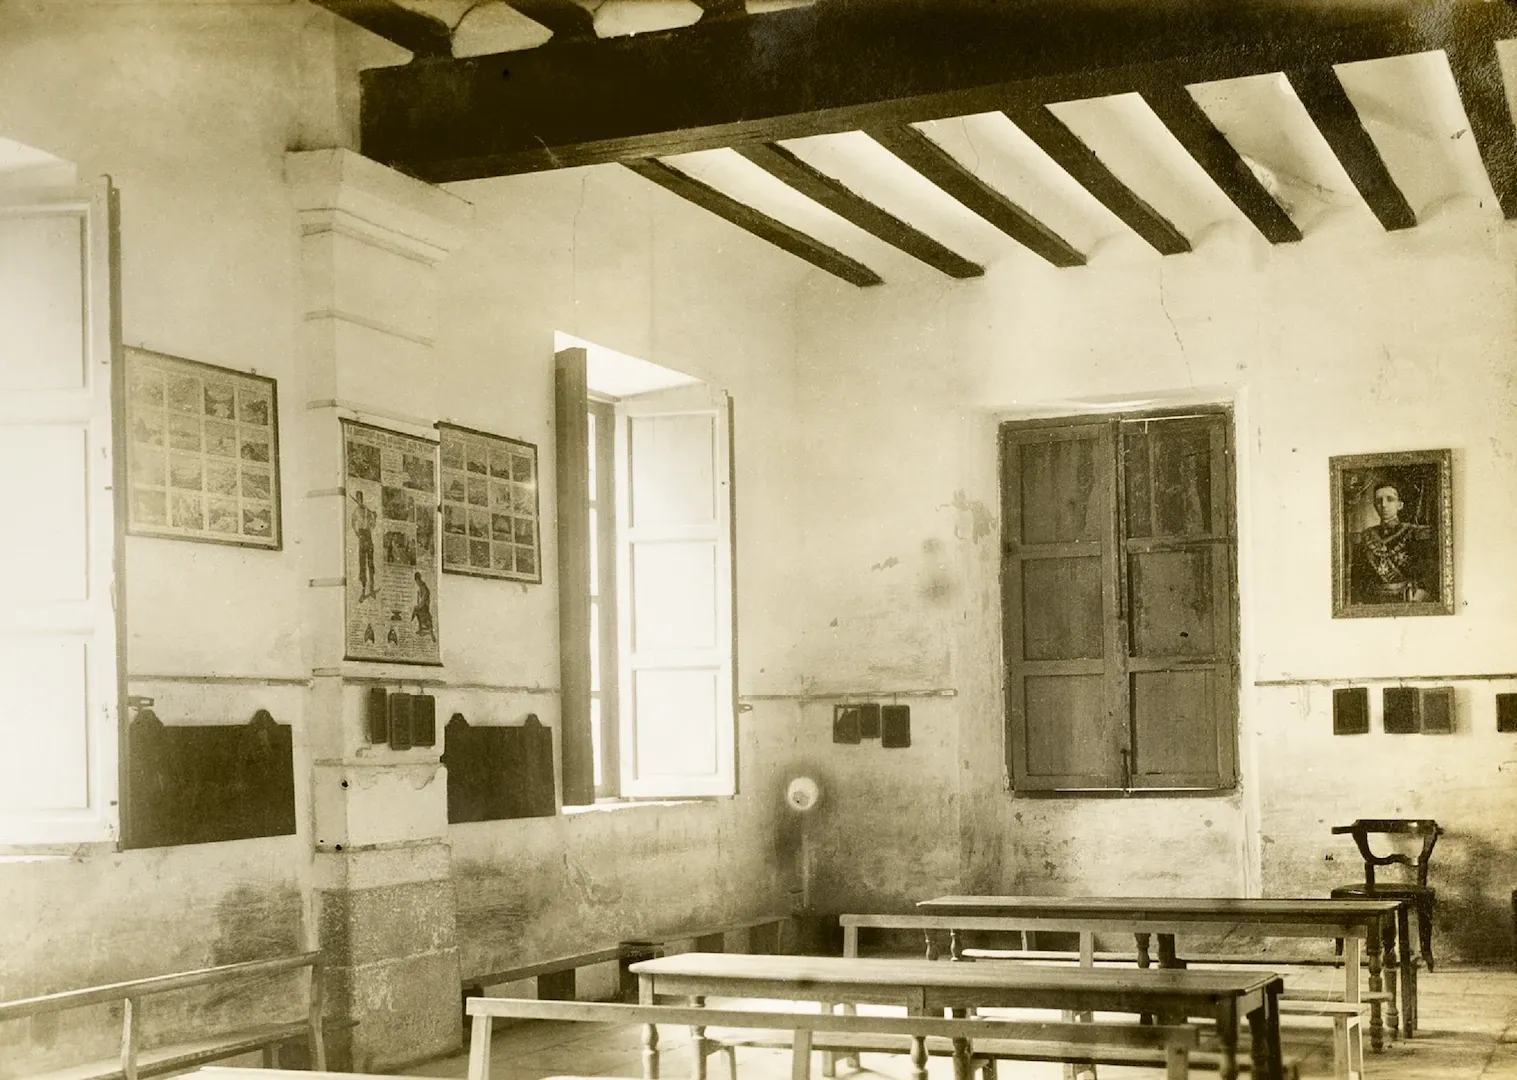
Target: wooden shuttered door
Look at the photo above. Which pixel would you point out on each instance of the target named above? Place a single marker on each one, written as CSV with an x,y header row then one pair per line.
x,y
1117,587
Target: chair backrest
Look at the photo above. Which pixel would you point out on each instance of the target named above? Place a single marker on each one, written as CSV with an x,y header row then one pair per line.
x,y
1361,830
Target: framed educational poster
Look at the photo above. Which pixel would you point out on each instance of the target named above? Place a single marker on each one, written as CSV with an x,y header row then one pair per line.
x,y
489,506
390,545
202,452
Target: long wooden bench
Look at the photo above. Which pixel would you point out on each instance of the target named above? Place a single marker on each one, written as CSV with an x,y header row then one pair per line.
x,y
135,1061
802,1033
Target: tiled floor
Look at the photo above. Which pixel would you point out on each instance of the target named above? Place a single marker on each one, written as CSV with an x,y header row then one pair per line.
x,y
1468,1032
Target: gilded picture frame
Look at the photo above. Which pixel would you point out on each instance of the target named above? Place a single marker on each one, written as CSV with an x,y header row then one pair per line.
x,y
1392,534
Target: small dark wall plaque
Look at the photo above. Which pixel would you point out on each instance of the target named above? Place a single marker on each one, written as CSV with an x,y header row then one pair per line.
x,y
496,773
377,711
869,720
1506,712
199,784
847,724
424,720
1402,706
1351,710
895,726
400,721
1438,710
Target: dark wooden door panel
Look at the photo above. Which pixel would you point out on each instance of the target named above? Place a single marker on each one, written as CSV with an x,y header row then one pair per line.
x,y
1173,602
1062,496
1178,741
1077,739
1063,614
1173,485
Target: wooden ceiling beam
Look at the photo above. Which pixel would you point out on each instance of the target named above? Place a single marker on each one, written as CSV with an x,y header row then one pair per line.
x,y
1173,105
1477,73
854,208
943,169
845,66
1071,154
567,20
1335,116
753,221
422,34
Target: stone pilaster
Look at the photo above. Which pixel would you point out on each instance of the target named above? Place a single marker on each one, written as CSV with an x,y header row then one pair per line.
x,y
370,243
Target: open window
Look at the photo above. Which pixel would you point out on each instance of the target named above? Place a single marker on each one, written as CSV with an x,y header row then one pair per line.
x,y
645,586
61,677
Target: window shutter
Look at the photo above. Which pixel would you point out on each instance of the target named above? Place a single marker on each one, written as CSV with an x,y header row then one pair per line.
x,y
571,424
61,676
674,590
1066,724
1179,575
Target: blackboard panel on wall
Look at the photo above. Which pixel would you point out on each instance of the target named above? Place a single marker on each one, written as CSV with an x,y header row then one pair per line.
x,y
1351,710
496,773
200,784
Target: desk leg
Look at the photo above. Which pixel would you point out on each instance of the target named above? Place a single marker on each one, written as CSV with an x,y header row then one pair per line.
x,y
800,1055
955,950
1144,961
650,1052
932,946
1392,982
646,996
1167,957
1408,971
1377,1025
918,1058
698,1043
1258,1043
1227,1034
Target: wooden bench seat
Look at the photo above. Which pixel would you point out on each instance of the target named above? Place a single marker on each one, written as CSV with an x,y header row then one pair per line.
x,y
135,1061
1168,1047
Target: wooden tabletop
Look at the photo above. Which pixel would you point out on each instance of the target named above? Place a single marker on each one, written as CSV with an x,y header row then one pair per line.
x,y
875,971
1167,908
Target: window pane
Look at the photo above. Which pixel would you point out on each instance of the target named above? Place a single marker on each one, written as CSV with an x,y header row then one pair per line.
x,y
594,552
595,645
590,442
596,745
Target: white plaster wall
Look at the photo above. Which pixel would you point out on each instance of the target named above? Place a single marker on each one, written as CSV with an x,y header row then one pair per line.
x,y
190,108
1352,341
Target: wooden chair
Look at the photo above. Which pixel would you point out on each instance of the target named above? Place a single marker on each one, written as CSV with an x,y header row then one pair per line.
x,y
1424,898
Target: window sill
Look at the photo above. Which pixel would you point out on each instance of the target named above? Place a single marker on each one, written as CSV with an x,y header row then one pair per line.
x,y
54,853
615,805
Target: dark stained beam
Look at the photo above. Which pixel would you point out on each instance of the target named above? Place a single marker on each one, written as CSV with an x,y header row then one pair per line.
x,y
1055,139
759,224
937,165
843,65
842,201
1172,104
1477,73
422,34
567,20
1338,120
722,9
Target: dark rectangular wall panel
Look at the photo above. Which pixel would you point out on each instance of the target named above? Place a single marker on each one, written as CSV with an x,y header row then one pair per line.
x,y
498,773
1438,710
1402,708
200,784
1351,710
1506,712
895,726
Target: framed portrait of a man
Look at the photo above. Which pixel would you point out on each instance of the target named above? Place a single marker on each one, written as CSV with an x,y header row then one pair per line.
x,y
1393,534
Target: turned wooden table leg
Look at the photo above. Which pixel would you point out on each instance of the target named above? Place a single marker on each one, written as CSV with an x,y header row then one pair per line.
x,y
650,1052
1408,971
1377,984
1392,981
